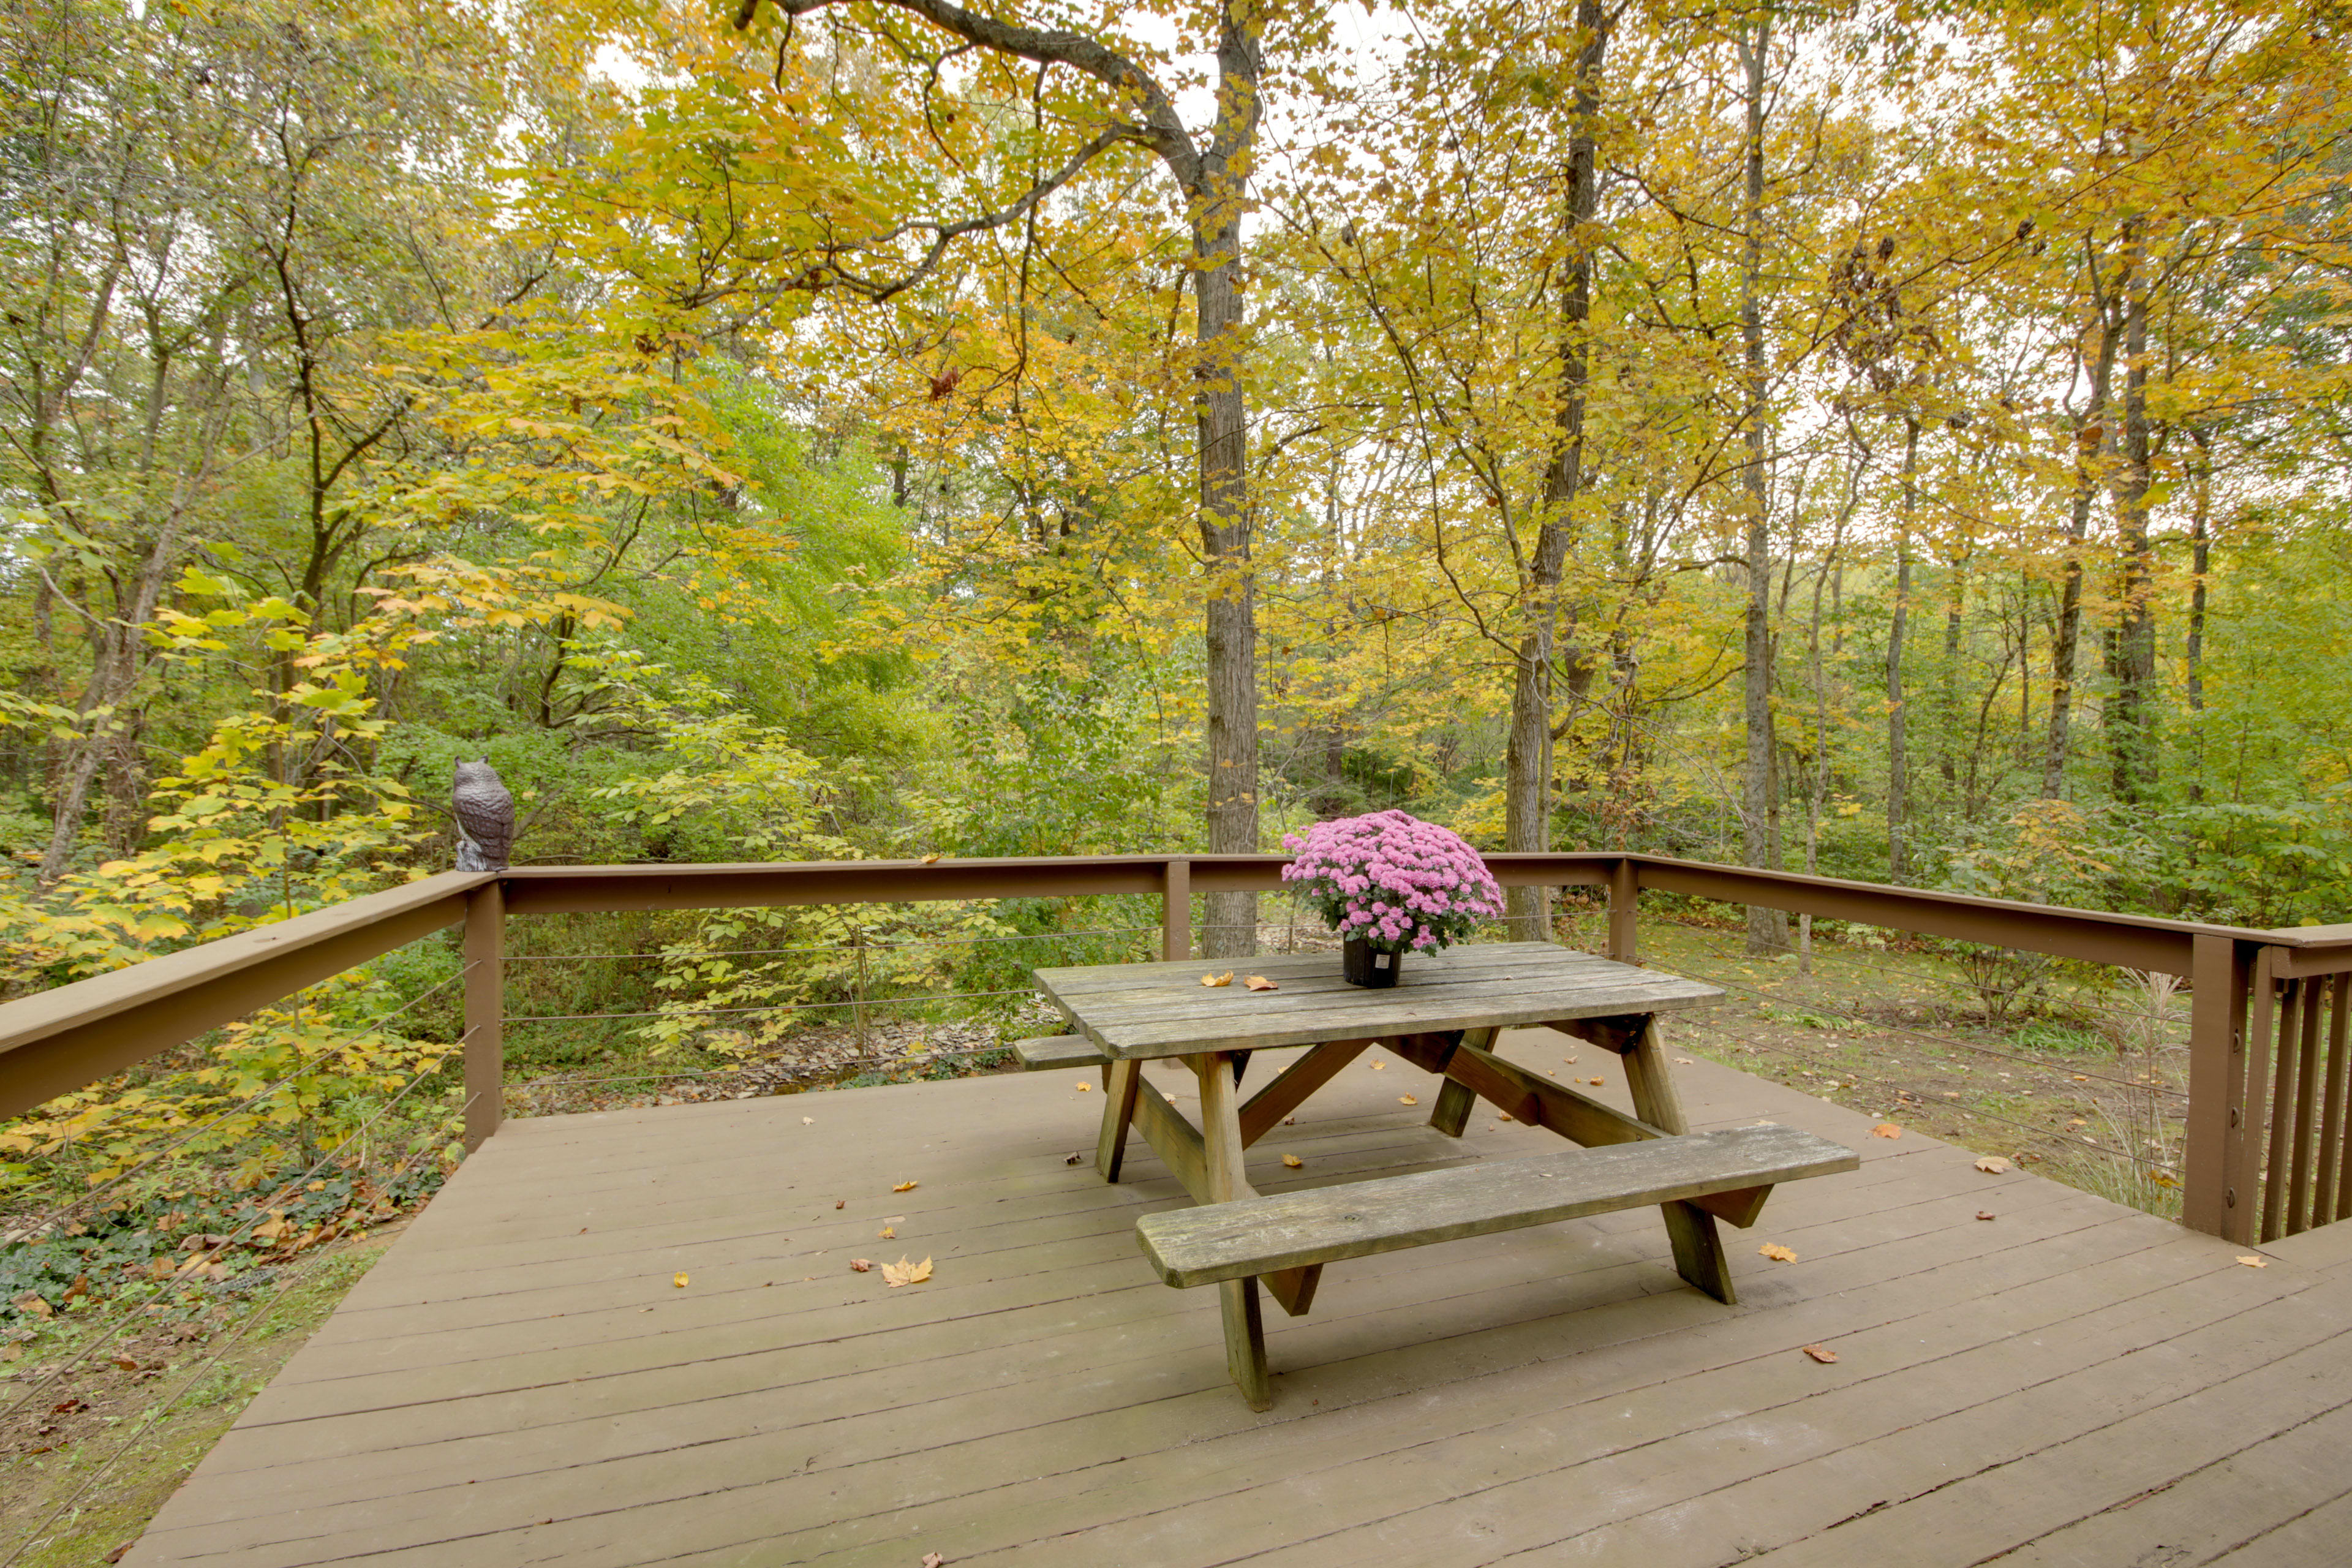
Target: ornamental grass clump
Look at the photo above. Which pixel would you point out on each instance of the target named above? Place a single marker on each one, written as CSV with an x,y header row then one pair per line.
x,y
1392,880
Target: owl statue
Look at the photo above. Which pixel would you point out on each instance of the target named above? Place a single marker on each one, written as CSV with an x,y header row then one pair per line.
x,y
485,817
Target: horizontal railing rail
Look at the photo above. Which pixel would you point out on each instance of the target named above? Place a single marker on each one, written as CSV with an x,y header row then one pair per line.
x,y
2269,1126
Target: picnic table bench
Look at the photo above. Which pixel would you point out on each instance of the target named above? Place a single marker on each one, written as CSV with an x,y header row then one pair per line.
x,y
1443,1016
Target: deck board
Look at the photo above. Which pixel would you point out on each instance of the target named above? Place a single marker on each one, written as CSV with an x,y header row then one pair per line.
x,y
519,1380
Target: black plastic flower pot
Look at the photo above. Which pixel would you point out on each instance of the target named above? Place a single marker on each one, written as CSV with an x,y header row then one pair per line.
x,y
1364,966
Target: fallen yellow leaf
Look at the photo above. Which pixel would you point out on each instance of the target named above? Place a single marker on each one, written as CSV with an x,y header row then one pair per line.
x,y
1260,982
1292,1161
1407,1100
889,1232
1377,1066
2256,1262
808,1121
930,859
1822,1353
678,1280
1777,1253
1992,1164
910,1186
1595,1082
905,1273
1503,1114
1085,1088
1224,979
1886,1130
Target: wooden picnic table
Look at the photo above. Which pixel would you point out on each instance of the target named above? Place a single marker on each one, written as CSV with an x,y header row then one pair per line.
x,y
1443,1016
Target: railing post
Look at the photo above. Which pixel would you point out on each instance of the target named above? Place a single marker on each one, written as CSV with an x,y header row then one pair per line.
x,y
486,1012
2218,1197
1625,912
1176,913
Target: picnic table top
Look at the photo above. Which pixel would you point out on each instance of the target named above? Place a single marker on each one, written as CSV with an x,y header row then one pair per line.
x,y
1163,1009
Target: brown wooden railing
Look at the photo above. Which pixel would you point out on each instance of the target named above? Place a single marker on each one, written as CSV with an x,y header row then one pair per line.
x,y
2269,1151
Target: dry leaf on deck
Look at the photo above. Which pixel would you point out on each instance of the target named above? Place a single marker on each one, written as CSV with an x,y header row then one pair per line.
x,y
1083,1087
1684,1062
1290,1122
1886,1130
889,1232
1407,1100
1777,1253
839,1203
1224,979
1069,1159
905,1273
933,1559
1992,1164
1984,1214
1822,1353
1377,1066
1594,1082
678,1280
905,1186
2256,1262
861,1265
1260,982
1503,1114
808,1121
1292,1161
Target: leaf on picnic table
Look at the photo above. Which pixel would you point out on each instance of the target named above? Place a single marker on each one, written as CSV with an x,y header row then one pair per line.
x,y
860,1265
905,1273
1503,1114
2256,1262
1408,1099
1224,979
1822,1353
1594,1082
1778,1253
1083,1087
1992,1164
1260,982
905,1186
1292,1161
1380,1067
1886,1130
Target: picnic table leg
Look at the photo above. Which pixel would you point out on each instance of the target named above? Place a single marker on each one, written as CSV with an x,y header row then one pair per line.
x,y
1699,1257
1456,1100
1119,1079
1221,1135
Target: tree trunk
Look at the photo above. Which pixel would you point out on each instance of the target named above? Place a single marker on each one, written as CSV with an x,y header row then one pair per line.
x,y
2090,433
1229,617
2200,561
2131,715
1898,857
1768,930
1527,757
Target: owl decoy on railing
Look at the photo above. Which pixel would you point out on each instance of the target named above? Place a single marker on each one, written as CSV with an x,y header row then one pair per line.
x,y
485,817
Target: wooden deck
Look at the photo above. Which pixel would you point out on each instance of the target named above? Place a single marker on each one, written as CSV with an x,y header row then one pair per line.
x,y
519,1380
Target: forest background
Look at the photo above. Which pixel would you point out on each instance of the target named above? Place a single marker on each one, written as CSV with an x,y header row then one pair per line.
x,y
1905,441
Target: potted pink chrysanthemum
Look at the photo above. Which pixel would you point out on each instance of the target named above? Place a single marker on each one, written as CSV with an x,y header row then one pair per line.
x,y
1390,884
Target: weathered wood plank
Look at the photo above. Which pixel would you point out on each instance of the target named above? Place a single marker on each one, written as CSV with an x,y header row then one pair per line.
x,y
1049,1051
1224,1241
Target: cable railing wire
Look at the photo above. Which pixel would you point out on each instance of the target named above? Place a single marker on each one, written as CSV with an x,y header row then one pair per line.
x,y
127,1318
39,1226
